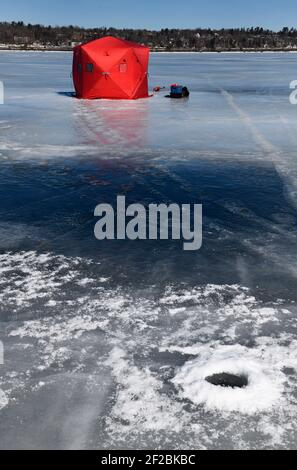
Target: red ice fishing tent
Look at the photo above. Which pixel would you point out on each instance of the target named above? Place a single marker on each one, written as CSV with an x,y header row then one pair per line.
x,y
111,68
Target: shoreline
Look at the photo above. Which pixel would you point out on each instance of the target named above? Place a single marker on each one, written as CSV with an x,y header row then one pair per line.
x,y
158,51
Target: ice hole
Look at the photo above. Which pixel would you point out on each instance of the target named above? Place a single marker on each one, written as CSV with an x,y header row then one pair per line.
x,y
224,379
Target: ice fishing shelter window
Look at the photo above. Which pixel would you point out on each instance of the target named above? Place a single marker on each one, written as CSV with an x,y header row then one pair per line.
x,y
79,68
90,68
123,67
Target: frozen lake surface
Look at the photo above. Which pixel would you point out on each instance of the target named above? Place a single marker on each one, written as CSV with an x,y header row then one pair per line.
x,y
108,344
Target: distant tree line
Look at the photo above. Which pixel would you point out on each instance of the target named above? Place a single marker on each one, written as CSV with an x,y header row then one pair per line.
x,y
199,39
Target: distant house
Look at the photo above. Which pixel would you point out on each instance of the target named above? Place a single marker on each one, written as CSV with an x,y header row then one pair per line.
x,y
22,39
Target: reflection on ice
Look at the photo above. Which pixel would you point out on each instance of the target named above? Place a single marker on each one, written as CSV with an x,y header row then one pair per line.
x,y
114,125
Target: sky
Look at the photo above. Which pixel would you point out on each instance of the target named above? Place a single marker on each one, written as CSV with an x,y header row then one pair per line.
x,y
153,14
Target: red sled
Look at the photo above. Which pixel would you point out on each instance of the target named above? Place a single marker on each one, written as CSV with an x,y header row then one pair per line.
x,y
111,68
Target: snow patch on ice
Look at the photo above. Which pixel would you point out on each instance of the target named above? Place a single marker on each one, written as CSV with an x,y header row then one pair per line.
x,y
265,383
139,404
26,277
71,328
82,324
3,399
38,151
